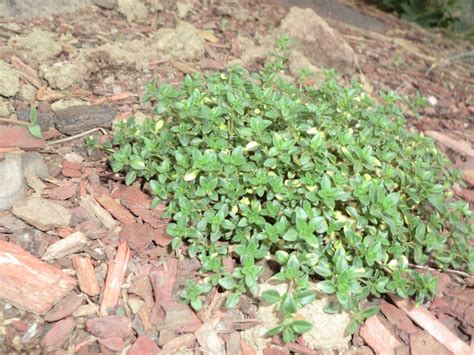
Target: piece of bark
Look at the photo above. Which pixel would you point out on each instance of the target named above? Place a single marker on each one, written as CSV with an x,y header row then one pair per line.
x,y
58,334
114,344
65,307
423,343
110,327
137,235
162,280
61,192
97,211
86,275
143,345
115,275
398,318
81,118
71,169
173,346
468,175
29,283
379,337
233,343
19,137
26,72
69,245
459,146
433,326
115,209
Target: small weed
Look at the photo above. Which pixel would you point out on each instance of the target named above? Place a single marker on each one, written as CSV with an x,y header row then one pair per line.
x,y
34,128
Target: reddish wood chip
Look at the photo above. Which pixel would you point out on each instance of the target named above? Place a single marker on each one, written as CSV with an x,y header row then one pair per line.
x,y
246,349
115,344
115,275
379,337
137,235
29,283
173,346
86,275
160,236
398,318
71,169
468,175
143,345
58,334
115,209
19,137
162,280
61,192
438,330
65,307
273,350
423,343
110,327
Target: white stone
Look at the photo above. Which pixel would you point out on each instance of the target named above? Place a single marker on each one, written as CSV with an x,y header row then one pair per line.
x,y
10,80
133,10
12,182
62,75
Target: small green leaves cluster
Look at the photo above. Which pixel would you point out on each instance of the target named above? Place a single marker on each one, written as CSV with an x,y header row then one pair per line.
x,y
324,181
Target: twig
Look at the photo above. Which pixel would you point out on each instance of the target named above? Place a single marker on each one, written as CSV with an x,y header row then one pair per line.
x,y
86,133
443,62
12,121
448,271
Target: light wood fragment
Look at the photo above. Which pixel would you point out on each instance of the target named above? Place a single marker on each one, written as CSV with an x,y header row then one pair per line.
x,y
457,145
96,210
437,329
86,275
71,244
115,209
114,280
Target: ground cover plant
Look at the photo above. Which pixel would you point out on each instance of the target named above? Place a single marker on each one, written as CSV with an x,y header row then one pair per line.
x,y
325,182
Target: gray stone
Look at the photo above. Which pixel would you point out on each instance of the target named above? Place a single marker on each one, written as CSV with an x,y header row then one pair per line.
x,y
133,10
66,103
106,4
12,182
62,75
182,43
320,43
38,44
297,62
183,8
78,119
10,83
21,9
28,93
33,161
254,50
42,214
5,107
327,332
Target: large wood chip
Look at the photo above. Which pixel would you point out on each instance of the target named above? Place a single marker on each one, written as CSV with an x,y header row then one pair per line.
x,y
71,244
95,210
437,329
114,280
115,209
379,337
29,283
86,275
459,146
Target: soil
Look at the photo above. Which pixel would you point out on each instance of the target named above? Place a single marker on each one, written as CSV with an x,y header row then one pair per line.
x,y
110,60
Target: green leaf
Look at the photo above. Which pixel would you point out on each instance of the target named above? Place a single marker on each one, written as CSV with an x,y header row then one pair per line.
x,y
191,175
327,286
35,131
301,326
137,164
274,331
271,296
352,327
227,283
232,300
288,305
130,177
196,303
369,312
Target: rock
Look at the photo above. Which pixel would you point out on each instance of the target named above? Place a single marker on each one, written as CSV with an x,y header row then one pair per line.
x,y
183,8
5,107
133,10
27,9
110,327
252,51
34,161
183,42
42,214
12,183
320,43
78,119
62,75
10,83
66,103
38,44
105,4
28,93
156,5
298,62
44,119
327,332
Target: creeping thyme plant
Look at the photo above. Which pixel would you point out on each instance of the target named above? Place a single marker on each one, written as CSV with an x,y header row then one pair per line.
x,y
324,182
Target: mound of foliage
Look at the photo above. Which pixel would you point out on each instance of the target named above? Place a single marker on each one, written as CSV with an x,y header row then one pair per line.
x,y
323,182
457,15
